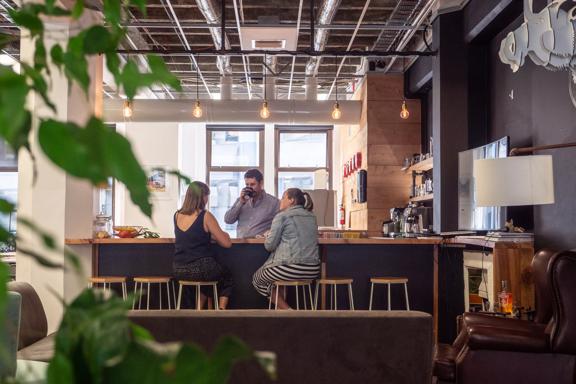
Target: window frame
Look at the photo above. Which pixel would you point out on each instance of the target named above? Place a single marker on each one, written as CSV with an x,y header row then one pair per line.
x,y
279,129
233,128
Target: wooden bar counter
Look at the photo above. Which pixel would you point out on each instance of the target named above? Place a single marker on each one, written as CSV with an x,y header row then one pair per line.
x,y
359,258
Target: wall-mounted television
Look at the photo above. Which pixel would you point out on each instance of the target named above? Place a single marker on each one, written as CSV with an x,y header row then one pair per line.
x,y
471,217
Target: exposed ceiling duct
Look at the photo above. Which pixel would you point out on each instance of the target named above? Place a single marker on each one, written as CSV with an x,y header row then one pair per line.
x,y
325,16
208,9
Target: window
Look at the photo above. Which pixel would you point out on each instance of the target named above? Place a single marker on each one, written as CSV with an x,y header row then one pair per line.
x,y
231,151
301,152
8,188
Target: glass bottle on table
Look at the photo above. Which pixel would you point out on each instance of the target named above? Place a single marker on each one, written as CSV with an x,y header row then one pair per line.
x,y
505,298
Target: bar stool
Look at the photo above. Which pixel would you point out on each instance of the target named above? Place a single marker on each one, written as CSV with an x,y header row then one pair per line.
x,y
295,284
389,281
107,281
334,282
198,284
151,280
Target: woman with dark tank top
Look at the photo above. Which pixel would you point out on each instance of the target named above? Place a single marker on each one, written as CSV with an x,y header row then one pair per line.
x,y
194,230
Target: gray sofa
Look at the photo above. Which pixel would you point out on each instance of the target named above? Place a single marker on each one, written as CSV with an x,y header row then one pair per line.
x,y
311,346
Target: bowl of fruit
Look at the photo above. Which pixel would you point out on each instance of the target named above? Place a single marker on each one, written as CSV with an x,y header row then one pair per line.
x,y
126,231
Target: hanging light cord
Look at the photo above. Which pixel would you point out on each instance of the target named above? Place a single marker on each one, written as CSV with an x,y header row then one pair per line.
x,y
197,70
265,97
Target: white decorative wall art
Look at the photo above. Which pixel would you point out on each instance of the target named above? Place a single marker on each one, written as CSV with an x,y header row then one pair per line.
x,y
547,37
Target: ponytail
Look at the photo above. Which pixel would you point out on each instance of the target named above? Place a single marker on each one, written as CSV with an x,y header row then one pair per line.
x,y
300,198
308,204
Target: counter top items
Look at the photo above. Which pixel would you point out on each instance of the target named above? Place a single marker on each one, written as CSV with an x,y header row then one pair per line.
x,y
127,231
102,226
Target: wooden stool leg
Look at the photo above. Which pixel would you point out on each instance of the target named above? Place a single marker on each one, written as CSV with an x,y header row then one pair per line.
x,y
215,292
173,284
406,295
389,303
297,304
179,296
148,297
371,296
335,297
304,297
315,296
276,303
350,296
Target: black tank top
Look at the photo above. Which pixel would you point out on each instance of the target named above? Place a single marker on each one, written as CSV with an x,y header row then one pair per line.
x,y
192,244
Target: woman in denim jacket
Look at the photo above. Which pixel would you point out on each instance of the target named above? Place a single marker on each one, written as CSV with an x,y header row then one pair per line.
x,y
293,243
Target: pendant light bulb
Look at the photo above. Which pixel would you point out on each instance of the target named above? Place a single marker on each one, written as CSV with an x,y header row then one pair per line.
x,y
336,112
264,111
404,113
197,111
127,109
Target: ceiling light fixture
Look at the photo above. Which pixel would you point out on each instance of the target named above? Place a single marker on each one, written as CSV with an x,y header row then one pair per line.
x,y
265,111
336,112
197,111
404,112
127,109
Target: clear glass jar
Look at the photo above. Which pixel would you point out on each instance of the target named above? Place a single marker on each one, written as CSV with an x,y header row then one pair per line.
x,y
102,226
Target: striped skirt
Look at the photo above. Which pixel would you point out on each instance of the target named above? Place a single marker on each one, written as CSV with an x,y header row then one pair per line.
x,y
265,276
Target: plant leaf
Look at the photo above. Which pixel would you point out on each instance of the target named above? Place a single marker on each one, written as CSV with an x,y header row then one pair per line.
x,y
15,120
112,11
60,370
42,260
98,40
78,9
95,153
27,17
161,73
141,4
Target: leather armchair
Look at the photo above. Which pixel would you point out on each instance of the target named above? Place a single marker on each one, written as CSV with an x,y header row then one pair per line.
x,y
528,354
447,354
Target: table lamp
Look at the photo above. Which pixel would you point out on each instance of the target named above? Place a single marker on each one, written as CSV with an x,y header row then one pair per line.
x,y
511,181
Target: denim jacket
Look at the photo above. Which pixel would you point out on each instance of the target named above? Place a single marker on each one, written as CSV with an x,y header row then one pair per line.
x,y
293,238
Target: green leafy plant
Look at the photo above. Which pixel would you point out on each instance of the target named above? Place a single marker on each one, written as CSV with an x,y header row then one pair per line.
x,y
96,343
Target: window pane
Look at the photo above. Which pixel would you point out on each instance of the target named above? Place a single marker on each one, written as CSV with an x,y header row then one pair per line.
x,y
9,191
105,199
303,150
224,190
302,180
235,148
7,156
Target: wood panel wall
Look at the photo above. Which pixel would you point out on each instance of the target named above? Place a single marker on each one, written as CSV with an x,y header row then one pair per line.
x,y
384,140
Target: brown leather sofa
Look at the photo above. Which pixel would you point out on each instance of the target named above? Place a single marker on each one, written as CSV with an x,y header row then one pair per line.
x,y
311,346
34,341
447,354
528,353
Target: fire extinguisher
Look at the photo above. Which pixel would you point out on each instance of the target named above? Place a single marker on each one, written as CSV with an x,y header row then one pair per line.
x,y
342,214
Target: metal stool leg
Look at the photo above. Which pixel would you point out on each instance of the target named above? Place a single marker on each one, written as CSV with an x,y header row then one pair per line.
x,y
160,295
312,306
335,297
315,296
168,295
173,283
141,291
270,301
124,291
406,295
179,296
371,295
198,298
389,303
148,298
215,292
351,296
331,297
304,297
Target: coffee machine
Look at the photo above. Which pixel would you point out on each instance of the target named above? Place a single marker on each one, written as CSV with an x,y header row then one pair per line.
x,y
393,227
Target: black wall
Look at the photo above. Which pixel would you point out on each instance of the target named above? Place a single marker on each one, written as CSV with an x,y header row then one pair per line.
x,y
539,113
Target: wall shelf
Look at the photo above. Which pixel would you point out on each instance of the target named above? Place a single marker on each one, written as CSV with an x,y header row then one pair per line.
x,y
428,197
421,166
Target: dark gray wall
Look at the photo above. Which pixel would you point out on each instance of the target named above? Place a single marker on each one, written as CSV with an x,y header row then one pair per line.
x,y
540,113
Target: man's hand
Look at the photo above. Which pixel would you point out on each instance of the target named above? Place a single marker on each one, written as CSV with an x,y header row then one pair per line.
x,y
246,194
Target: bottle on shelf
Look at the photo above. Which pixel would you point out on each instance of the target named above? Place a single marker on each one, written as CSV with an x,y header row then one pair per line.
x,y
505,298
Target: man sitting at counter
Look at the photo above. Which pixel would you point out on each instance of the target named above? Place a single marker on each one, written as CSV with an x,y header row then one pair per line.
x,y
254,209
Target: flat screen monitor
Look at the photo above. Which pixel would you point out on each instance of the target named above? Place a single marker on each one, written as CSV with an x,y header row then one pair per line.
x,y
471,217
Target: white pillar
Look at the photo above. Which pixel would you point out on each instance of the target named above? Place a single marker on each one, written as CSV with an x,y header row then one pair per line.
x,y
225,87
58,203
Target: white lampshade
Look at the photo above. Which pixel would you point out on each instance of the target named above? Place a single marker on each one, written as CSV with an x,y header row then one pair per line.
x,y
522,180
